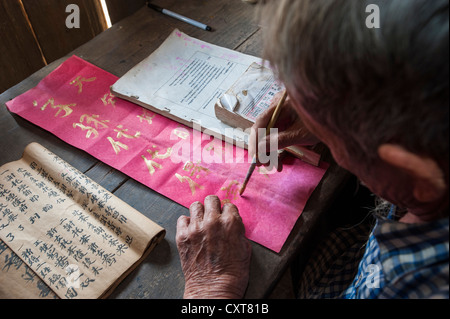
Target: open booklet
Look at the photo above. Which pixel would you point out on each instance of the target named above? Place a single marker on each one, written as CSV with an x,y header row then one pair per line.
x,y
62,235
183,79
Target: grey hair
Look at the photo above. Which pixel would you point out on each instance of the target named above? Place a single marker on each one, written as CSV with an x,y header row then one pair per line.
x,y
368,86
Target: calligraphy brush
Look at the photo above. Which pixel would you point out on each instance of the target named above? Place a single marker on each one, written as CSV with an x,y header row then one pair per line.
x,y
272,122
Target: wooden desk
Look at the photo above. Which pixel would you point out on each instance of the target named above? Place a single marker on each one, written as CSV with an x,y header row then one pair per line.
x,y
117,50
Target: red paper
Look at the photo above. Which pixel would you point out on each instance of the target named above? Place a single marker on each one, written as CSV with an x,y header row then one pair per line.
x,y
74,103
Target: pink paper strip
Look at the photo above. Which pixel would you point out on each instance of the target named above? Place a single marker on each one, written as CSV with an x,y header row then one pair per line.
x,y
74,103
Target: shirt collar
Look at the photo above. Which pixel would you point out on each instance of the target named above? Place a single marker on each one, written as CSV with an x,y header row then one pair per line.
x,y
405,247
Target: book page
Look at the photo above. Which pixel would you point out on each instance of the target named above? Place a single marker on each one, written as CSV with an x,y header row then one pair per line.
x,y
73,234
183,79
17,280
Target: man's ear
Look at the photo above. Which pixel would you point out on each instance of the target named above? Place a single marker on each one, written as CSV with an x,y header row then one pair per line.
x,y
428,178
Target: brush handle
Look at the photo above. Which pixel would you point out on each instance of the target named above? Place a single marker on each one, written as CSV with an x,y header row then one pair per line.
x,y
276,113
272,122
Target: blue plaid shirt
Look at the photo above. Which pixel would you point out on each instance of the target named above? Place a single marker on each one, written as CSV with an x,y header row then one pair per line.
x,y
404,261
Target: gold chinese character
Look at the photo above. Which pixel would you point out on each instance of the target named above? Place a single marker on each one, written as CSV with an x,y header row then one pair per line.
x,y
232,191
66,108
151,165
195,169
155,154
146,117
108,98
117,145
94,119
78,81
90,130
181,133
61,107
192,185
121,132
219,150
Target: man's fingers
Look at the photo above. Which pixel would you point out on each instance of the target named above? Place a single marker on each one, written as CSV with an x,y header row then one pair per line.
x,y
231,218
280,140
281,156
197,211
263,120
258,131
183,222
182,228
212,208
230,210
260,125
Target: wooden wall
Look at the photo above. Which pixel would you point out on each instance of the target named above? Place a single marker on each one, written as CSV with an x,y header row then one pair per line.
x,y
119,9
34,33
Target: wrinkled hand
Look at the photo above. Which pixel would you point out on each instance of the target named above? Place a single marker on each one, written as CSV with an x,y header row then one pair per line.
x,y
291,130
214,253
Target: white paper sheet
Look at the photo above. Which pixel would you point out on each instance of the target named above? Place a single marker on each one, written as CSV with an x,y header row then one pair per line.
x,y
183,79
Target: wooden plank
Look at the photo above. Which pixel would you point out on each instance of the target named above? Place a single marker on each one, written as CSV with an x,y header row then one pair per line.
x,y
48,18
131,40
160,275
20,55
119,9
110,178
252,45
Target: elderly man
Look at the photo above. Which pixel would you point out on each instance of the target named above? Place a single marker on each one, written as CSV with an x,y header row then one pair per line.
x,y
378,98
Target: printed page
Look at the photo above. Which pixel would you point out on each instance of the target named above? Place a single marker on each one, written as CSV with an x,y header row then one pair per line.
x,y
183,79
73,234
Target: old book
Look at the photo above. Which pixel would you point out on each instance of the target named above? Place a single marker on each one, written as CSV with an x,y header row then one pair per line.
x,y
63,235
183,79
